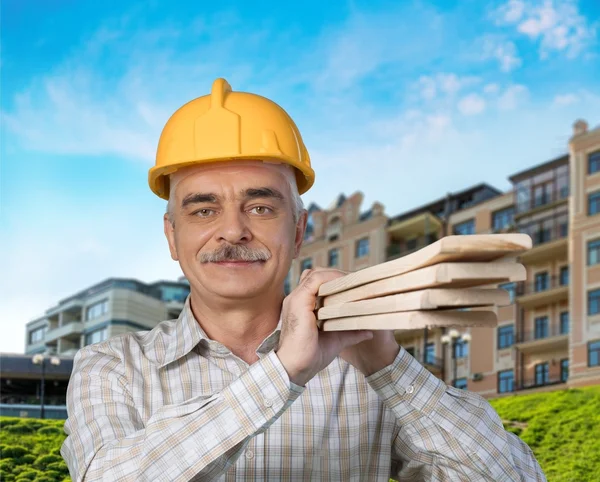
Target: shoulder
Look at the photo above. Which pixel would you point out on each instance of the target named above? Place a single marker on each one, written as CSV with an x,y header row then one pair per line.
x,y
130,347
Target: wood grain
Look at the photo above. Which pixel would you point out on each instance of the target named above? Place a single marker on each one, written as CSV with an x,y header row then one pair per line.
x,y
455,248
411,320
428,299
444,275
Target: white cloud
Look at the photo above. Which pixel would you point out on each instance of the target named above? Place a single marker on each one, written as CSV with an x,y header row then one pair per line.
x,y
444,84
512,97
566,99
556,24
512,11
471,104
491,88
505,52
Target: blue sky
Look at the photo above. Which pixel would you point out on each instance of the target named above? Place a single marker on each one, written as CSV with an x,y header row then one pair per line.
x,y
404,101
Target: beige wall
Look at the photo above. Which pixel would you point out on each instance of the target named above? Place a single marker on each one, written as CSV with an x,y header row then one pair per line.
x,y
583,228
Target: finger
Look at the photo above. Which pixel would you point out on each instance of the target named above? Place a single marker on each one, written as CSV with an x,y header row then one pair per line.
x,y
308,288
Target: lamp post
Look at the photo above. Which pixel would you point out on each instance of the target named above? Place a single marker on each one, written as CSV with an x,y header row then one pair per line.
x,y
40,359
453,337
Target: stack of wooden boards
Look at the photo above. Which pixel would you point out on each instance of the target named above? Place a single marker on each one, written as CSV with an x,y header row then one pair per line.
x,y
428,288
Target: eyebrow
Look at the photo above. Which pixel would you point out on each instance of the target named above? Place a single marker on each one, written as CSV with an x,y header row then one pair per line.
x,y
252,193
263,192
197,198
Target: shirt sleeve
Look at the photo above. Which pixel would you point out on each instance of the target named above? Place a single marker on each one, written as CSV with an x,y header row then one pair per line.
x,y
445,433
198,439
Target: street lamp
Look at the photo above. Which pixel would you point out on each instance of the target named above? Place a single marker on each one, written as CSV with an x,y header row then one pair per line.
x,y
40,359
454,337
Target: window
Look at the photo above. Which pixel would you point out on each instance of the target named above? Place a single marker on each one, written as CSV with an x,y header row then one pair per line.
x,y
411,244
96,336
506,336
564,276
564,322
594,353
362,247
468,227
96,310
594,162
541,373
541,327
541,281
506,381
593,203
564,369
334,256
593,252
542,194
503,219
461,349
594,302
430,353
510,287
306,264
461,383
37,335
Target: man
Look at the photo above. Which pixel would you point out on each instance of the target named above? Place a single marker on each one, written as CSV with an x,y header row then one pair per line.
x,y
243,385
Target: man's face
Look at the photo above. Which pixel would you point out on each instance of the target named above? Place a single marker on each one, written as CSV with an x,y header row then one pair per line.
x,y
234,232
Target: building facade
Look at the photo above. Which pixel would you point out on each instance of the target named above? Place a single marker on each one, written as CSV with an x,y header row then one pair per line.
x,y
109,308
549,337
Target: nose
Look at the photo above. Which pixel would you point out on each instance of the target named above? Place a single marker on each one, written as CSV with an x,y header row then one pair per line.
x,y
233,228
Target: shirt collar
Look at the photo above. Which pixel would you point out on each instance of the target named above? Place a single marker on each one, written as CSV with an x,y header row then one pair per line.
x,y
186,333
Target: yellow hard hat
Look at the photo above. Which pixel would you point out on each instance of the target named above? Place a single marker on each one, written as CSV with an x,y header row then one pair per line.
x,y
226,126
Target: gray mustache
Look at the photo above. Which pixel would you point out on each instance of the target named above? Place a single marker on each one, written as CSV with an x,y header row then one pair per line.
x,y
235,252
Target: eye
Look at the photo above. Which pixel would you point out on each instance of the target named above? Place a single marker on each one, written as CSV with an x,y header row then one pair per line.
x,y
204,212
260,210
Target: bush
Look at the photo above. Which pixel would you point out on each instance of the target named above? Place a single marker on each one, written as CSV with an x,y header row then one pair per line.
x,y
49,431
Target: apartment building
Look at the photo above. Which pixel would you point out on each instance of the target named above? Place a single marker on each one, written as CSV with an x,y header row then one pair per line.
x,y
109,308
549,337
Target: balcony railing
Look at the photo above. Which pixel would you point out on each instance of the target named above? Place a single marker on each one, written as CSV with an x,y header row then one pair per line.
x,y
33,400
546,230
530,198
543,332
541,285
537,382
397,250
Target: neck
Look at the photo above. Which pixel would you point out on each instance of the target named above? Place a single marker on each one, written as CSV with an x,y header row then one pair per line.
x,y
240,325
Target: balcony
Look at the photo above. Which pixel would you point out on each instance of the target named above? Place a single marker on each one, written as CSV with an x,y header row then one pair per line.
x,y
71,330
534,294
544,339
549,236
398,250
539,382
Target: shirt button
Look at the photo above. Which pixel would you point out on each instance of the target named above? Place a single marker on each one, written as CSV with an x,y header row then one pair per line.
x,y
268,402
410,389
249,454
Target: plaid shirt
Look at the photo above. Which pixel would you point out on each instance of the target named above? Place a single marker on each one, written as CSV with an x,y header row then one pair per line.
x,y
171,404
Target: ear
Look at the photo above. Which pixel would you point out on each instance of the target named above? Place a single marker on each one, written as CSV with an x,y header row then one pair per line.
x,y
300,230
170,235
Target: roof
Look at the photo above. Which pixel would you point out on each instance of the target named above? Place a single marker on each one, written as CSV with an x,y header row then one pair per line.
x,y
544,166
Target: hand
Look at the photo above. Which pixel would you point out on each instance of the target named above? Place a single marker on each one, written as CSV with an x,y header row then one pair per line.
x,y
372,355
303,349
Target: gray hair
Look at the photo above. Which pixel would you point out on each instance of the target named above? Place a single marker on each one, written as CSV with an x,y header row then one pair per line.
x,y
297,203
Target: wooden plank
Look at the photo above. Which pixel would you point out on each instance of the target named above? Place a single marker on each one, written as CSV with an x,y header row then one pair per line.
x,y
411,320
428,299
465,248
444,275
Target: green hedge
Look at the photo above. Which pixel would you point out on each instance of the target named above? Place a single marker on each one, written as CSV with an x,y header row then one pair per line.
x,y
561,428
